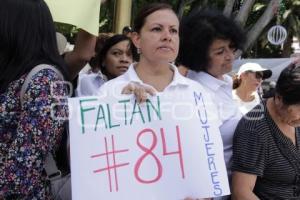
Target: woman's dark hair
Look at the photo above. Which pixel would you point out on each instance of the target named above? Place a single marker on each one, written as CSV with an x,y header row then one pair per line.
x,y
236,81
126,30
94,62
288,85
198,31
107,45
146,11
27,38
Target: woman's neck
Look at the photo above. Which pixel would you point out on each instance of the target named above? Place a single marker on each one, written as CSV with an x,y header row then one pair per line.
x,y
274,112
158,75
147,68
215,73
244,94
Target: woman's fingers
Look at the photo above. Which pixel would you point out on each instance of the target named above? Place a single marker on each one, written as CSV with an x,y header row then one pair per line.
x,y
140,94
129,88
140,91
150,90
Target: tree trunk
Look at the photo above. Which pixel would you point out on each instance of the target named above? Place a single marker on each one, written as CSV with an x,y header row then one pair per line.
x,y
228,8
197,5
180,8
287,46
204,4
262,22
244,12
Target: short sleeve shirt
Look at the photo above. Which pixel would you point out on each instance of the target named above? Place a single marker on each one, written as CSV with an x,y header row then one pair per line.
x,y
260,148
229,114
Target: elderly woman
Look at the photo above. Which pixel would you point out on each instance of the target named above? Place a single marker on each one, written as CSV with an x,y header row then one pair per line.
x,y
208,41
266,155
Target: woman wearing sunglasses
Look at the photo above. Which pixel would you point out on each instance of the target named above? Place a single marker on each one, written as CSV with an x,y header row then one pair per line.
x,y
246,84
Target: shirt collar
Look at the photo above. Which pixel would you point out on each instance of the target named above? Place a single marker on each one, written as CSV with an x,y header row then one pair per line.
x,y
210,81
178,79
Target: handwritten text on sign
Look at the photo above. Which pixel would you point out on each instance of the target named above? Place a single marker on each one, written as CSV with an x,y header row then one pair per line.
x,y
121,149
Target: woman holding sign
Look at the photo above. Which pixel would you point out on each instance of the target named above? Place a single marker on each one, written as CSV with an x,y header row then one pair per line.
x,y
208,42
156,36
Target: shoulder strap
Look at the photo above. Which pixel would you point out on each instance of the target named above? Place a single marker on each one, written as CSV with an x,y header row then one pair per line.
x,y
34,71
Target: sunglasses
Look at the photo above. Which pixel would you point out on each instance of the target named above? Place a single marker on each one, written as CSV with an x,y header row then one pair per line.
x,y
258,75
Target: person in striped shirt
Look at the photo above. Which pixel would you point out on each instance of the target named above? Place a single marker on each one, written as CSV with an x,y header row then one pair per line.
x,y
266,146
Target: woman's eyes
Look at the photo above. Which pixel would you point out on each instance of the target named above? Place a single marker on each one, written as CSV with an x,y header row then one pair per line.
x,y
220,52
157,29
173,30
116,53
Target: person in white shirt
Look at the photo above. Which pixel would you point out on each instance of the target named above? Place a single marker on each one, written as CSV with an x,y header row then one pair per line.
x,y
114,58
246,84
156,36
208,42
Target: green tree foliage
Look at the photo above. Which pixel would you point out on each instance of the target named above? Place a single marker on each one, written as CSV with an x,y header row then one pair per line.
x,y
256,17
107,13
69,31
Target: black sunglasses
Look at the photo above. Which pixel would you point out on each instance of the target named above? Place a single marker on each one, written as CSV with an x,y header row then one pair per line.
x,y
258,75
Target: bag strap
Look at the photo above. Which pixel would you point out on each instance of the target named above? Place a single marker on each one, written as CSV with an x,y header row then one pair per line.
x,y
51,168
33,72
50,165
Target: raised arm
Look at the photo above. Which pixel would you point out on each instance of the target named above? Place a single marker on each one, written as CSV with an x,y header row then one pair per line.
x,y
83,51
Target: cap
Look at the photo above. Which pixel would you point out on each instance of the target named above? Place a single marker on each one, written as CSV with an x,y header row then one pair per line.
x,y
254,67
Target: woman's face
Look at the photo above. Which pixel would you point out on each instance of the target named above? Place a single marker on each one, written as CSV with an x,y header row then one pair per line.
x,y
158,39
251,80
221,57
118,58
289,114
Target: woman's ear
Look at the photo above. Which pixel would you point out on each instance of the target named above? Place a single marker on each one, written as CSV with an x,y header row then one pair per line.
x,y
135,37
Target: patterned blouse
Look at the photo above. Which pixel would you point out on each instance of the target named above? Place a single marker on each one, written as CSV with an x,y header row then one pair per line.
x,y
28,133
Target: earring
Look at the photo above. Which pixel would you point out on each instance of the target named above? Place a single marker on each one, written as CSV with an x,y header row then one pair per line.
x,y
138,50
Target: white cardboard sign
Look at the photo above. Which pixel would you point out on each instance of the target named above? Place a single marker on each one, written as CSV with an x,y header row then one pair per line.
x,y
152,151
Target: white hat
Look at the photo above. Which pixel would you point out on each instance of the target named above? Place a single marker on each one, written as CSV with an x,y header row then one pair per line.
x,y
254,67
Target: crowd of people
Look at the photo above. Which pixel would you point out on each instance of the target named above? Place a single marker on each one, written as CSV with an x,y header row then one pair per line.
x,y
160,54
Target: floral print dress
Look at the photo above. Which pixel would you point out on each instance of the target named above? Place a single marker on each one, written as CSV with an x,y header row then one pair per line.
x,y
28,133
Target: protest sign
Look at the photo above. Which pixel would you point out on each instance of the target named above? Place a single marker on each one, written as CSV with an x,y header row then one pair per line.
x,y
81,13
161,149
